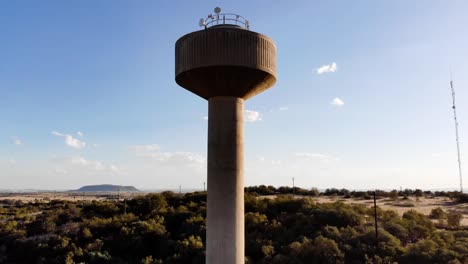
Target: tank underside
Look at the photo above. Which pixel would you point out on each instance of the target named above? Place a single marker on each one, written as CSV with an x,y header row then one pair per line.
x,y
233,81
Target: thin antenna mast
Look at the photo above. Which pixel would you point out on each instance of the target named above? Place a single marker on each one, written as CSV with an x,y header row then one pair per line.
x,y
293,186
456,132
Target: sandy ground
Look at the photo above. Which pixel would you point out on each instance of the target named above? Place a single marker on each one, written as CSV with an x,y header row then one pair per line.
x,y
422,205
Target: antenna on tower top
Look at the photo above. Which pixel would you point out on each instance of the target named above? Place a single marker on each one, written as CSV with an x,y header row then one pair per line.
x,y
456,131
201,23
224,19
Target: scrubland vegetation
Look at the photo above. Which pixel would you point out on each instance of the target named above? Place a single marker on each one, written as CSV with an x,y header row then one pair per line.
x,y
170,228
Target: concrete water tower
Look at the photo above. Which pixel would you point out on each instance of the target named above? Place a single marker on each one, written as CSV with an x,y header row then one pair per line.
x,y
225,63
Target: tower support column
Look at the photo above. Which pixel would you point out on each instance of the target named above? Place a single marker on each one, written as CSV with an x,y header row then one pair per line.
x,y
225,212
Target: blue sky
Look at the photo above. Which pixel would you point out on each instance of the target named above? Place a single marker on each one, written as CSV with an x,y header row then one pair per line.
x,y
106,69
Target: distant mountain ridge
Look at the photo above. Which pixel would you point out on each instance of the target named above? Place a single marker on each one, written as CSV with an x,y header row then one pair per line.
x,y
107,188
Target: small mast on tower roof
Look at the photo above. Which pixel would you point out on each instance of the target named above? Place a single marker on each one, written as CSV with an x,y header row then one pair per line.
x,y
220,19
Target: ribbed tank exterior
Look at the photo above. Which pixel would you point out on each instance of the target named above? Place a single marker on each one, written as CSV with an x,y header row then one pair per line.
x,y
225,61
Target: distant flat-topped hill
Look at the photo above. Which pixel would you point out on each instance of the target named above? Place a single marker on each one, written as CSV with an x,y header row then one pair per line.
x,y
107,188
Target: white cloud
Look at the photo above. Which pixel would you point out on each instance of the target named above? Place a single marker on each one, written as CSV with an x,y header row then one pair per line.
x,y
327,68
252,116
74,143
337,102
79,133
283,108
205,118
70,140
114,168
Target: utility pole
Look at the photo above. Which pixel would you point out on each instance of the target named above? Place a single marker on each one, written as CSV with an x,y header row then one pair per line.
x,y
180,189
376,227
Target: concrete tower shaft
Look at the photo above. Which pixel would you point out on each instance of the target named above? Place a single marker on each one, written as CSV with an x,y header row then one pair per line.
x,y
225,64
225,61
225,209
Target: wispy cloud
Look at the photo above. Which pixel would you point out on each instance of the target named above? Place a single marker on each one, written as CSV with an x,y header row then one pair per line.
x,y
58,170
252,116
55,133
154,162
327,68
17,141
262,159
316,156
153,151
144,148
337,102
310,155
79,133
78,163
70,140
283,108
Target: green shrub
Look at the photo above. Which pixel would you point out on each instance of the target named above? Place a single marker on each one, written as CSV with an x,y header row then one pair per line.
x,y
437,213
454,218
